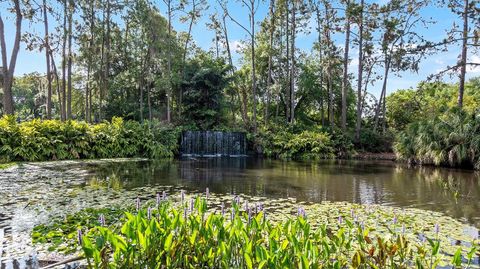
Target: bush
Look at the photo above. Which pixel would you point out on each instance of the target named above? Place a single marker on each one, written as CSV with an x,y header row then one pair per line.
x,y
452,139
372,141
38,140
304,145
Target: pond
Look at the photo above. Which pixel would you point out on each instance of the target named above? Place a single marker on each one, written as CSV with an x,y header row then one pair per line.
x,y
33,193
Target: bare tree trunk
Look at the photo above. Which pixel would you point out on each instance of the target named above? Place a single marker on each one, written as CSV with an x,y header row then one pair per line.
x,y
292,76
345,68
9,69
169,62
88,91
69,64
189,33
287,78
463,59
149,102
269,79
254,78
63,114
227,44
47,58
106,66
322,112
383,93
360,74
57,82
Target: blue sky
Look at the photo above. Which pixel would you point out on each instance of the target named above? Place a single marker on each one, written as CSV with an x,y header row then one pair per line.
x,y
34,61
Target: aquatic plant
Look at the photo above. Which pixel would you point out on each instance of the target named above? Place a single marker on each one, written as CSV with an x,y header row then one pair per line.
x,y
167,237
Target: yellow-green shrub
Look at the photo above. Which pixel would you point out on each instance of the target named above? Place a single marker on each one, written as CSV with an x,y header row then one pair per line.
x,y
40,140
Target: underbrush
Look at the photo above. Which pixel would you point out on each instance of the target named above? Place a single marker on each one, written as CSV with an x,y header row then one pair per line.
x,y
451,139
303,145
43,140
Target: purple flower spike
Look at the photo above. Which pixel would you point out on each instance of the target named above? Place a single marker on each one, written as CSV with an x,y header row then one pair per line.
x,y
182,196
159,198
207,193
395,220
237,200
164,196
340,220
101,220
223,209
301,212
437,228
149,213
249,215
232,215
184,213
138,203
246,206
80,237
352,213
362,225
403,228
192,204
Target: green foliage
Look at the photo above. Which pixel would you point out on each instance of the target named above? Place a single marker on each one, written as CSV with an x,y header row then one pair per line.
x,y
203,95
61,234
428,100
163,236
38,140
371,141
451,139
304,145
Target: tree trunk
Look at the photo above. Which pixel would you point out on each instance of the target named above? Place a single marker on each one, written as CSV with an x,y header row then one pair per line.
x,y
322,112
230,61
9,69
358,125
254,78
269,78
69,64
383,93
345,68
57,82
63,114
169,62
463,59
292,69
287,77
47,58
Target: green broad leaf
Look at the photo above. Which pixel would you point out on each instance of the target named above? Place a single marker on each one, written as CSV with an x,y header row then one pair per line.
x,y
168,242
248,261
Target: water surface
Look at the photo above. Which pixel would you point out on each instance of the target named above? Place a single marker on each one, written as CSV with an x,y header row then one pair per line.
x,y
35,192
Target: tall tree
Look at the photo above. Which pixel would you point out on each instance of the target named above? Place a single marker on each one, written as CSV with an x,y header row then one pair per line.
x,y
345,65
45,9
360,21
252,7
9,68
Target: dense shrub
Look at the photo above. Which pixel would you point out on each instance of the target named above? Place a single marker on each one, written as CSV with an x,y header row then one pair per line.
x,y
372,141
304,145
38,140
452,139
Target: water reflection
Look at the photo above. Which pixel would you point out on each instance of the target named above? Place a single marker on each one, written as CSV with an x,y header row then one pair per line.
x,y
454,192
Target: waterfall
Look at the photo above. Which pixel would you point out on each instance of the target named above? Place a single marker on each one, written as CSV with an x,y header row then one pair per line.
x,y
212,143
